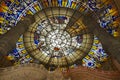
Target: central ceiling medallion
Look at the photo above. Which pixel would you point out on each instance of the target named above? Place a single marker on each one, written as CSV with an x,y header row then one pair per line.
x,y
53,41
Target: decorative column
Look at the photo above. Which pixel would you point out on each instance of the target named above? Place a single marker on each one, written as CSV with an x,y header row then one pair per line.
x,y
109,43
9,39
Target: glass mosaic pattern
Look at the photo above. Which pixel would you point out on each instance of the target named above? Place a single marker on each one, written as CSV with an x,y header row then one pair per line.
x,y
48,38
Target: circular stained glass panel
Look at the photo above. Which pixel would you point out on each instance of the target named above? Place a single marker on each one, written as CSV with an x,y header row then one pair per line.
x,y
55,40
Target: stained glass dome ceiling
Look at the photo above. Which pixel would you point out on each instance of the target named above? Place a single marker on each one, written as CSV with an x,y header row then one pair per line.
x,y
52,42
58,37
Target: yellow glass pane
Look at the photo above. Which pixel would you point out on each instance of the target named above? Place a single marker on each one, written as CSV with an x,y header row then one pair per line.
x,y
92,53
23,51
96,41
87,57
64,3
94,47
